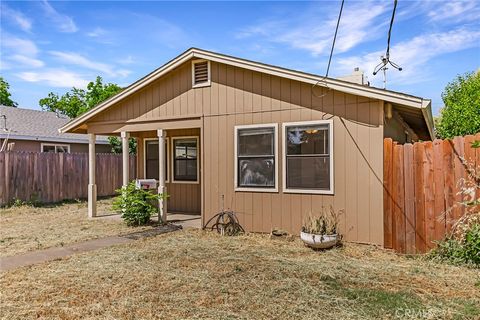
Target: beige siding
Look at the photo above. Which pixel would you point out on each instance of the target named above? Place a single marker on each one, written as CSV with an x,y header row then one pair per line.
x,y
238,96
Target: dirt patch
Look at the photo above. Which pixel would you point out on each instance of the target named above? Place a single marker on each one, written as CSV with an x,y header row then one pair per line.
x,y
198,274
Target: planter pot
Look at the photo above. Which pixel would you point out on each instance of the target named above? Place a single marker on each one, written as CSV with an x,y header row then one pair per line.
x,y
318,241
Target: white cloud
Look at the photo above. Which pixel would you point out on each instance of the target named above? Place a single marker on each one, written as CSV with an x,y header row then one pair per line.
x,y
20,46
314,32
413,55
79,60
16,17
27,61
55,78
455,10
62,22
97,32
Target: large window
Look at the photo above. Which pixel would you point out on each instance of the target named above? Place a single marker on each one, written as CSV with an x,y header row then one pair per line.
x,y
55,148
255,157
308,162
151,159
185,161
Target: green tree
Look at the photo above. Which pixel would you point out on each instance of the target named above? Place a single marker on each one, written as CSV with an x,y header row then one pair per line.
x,y
5,95
461,114
78,101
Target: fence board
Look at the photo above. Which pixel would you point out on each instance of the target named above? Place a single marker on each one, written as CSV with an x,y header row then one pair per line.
x,y
424,180
53,177
387,193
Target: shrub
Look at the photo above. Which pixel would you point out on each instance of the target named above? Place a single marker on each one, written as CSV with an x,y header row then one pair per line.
x,y
461,251
135,204
324,223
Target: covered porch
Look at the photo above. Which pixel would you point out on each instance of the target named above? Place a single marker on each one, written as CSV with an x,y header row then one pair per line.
x,y
170,155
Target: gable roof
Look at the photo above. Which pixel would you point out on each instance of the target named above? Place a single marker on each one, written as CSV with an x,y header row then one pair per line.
x,y
28,124
417,103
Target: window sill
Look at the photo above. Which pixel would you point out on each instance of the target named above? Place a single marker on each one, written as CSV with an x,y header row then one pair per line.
x,y
309,191
262,190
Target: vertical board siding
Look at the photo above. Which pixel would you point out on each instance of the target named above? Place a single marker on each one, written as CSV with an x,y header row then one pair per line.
x,y
421,190
238,97
53,177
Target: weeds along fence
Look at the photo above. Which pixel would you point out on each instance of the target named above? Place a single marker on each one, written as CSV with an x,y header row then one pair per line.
x,y
52,177
422,190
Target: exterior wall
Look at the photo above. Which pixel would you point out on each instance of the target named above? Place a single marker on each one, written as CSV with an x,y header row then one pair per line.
x,y
238,96
35,146
183,197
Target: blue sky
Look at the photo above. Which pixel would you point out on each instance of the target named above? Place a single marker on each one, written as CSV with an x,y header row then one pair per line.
x,y
52,46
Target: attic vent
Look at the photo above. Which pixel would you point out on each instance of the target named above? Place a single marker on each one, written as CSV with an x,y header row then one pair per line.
x,y
200,73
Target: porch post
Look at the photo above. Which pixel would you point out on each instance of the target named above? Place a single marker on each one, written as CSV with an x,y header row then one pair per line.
x,y
162,205
125,161
92,187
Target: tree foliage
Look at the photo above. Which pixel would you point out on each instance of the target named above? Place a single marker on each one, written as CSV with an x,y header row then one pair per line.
x,y
5,94
78,101
461,114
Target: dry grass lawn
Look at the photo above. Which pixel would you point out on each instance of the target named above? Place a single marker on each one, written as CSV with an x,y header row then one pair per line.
x,y
198,274
26,228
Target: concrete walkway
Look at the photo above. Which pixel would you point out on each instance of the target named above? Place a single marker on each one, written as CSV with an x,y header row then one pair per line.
x,y
29,258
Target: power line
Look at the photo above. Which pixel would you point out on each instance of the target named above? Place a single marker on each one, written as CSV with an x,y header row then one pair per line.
x,y
331,50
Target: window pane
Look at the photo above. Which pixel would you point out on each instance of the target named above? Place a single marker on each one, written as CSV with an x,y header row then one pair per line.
x,y
151,160
185,165
186,148
312,139
256,172
185,170
48,149
258,141
62,149
308,173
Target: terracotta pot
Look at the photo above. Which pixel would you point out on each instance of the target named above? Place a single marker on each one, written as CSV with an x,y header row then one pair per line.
x,y
318,241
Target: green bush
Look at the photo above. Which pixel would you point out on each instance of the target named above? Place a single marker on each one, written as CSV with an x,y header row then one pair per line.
x,y
135,204
461,251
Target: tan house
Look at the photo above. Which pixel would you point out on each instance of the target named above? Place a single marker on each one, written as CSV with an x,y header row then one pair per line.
x,y
37,131
272,144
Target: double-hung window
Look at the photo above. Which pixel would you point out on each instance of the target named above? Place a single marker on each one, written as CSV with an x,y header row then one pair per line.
x,y
185,160
151,159
256,158
308,161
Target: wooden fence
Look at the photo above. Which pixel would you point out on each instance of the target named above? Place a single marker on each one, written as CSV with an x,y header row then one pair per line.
x,y
52,177
421,190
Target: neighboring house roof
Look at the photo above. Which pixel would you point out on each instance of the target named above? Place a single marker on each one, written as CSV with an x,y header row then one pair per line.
x,y
420,106
28,124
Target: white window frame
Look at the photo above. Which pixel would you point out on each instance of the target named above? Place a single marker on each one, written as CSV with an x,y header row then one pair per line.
x,y
167,174
330,151
173,159
235,159
204,84
54,145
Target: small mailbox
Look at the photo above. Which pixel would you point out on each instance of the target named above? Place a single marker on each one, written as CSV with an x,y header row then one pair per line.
x,y
146,184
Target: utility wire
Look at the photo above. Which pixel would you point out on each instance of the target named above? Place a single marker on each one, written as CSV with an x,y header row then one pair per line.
x,y
331,51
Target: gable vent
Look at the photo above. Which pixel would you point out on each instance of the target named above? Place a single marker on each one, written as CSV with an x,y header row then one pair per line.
x,y
201,73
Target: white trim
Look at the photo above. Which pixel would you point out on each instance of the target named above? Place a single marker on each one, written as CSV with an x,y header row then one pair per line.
x,y
173,159
335,84
54,145
48,139
203,84
167,140
330,151
235,165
